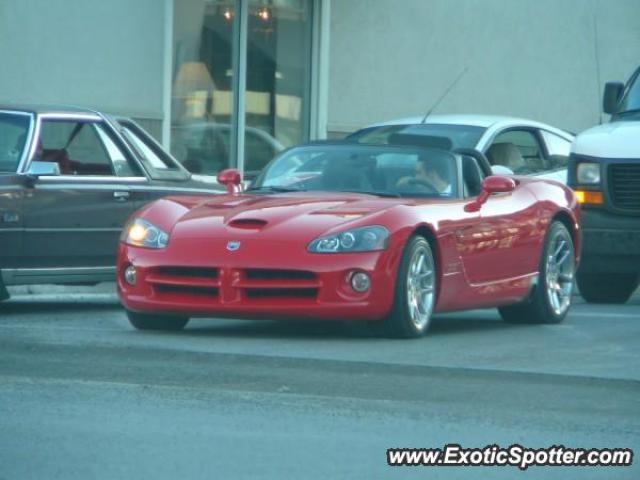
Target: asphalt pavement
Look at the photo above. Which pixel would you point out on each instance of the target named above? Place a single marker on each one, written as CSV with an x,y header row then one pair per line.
x,y
83,395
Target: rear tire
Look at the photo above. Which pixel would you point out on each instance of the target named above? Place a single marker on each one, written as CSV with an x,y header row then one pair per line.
x,y
150,321
608,287
415,291
550,298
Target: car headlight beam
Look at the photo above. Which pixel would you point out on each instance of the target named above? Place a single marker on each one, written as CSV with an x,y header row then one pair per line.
x,y
141,233
363,239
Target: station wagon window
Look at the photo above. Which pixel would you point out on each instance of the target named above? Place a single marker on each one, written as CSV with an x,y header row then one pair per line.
x,y
558,149
145,148
123,166
518,150
13,137
83,148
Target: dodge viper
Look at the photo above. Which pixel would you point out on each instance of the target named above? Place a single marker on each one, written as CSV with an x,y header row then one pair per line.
x,y
347,231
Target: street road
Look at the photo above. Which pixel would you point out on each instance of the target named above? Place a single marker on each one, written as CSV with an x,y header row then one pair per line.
x,y
84,396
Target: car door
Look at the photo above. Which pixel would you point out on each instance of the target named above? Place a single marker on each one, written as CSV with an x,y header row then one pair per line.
x,y
11,220
497,245
73,221
15,128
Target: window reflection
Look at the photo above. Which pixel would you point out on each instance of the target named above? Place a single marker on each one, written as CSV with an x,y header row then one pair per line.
x,y
278,78
277,83
202,84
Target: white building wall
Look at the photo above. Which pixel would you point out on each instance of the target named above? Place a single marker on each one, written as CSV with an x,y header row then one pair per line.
x,y
529,58
108,54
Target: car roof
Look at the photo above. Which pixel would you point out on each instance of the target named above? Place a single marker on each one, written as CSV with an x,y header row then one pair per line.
x,y
474,120
39,109
383,146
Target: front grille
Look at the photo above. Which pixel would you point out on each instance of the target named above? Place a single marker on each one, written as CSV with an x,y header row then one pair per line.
x,y
293,285
256,293
196,283
197,272
624,185
267,274
212,285
207,292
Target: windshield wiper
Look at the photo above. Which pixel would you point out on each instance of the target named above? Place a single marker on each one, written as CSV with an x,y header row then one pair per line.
x,y
273,189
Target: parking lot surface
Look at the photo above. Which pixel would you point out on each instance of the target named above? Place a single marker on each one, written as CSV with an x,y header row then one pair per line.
x,y
83,395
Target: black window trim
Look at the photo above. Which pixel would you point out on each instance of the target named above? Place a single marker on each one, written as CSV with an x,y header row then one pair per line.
x,y
82,118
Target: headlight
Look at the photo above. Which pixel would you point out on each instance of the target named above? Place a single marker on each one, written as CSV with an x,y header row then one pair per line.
x,y
588,173
364,239
141,233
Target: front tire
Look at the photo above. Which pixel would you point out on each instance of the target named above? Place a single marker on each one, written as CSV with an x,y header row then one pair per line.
x,y
147,321
607,288
550,299
415,291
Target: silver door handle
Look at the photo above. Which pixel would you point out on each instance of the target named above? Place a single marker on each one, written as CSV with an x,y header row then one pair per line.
x,y
121,196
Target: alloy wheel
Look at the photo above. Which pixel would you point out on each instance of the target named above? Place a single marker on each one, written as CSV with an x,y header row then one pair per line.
x,y
559,274
420,287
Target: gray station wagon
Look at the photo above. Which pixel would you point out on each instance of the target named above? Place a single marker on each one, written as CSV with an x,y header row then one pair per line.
x,y
69,179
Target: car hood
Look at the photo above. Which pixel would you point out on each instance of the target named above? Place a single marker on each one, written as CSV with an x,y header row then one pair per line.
x,y
281,217
612,140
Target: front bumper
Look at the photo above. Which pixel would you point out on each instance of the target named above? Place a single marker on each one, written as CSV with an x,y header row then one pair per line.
x,y
610,242
272,280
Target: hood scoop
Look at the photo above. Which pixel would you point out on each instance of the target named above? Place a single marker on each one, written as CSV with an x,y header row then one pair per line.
x,y
248,223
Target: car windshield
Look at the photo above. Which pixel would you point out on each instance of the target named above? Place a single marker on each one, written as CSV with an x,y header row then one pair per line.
x,y
14,128
630,104
441,136
377,170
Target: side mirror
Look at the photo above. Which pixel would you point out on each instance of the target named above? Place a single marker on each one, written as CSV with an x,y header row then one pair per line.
x,y
230,178
498,184
40,169
611,97
491,185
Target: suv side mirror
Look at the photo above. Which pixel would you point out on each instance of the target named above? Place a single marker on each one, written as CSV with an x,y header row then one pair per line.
x,y
230,178
491,185
611,97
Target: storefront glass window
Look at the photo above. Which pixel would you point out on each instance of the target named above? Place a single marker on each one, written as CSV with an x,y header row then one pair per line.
x,y
202,84
276,99
278,78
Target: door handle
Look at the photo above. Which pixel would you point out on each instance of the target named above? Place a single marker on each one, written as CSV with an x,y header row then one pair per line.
x,y
121,196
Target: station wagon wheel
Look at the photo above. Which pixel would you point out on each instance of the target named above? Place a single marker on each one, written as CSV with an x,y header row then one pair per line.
x,y
550,298
415,291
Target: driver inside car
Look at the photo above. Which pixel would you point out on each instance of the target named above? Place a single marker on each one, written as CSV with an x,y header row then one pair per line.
x,y
430,175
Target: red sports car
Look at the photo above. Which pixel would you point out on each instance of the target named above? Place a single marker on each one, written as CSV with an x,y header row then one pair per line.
x,y
359,232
